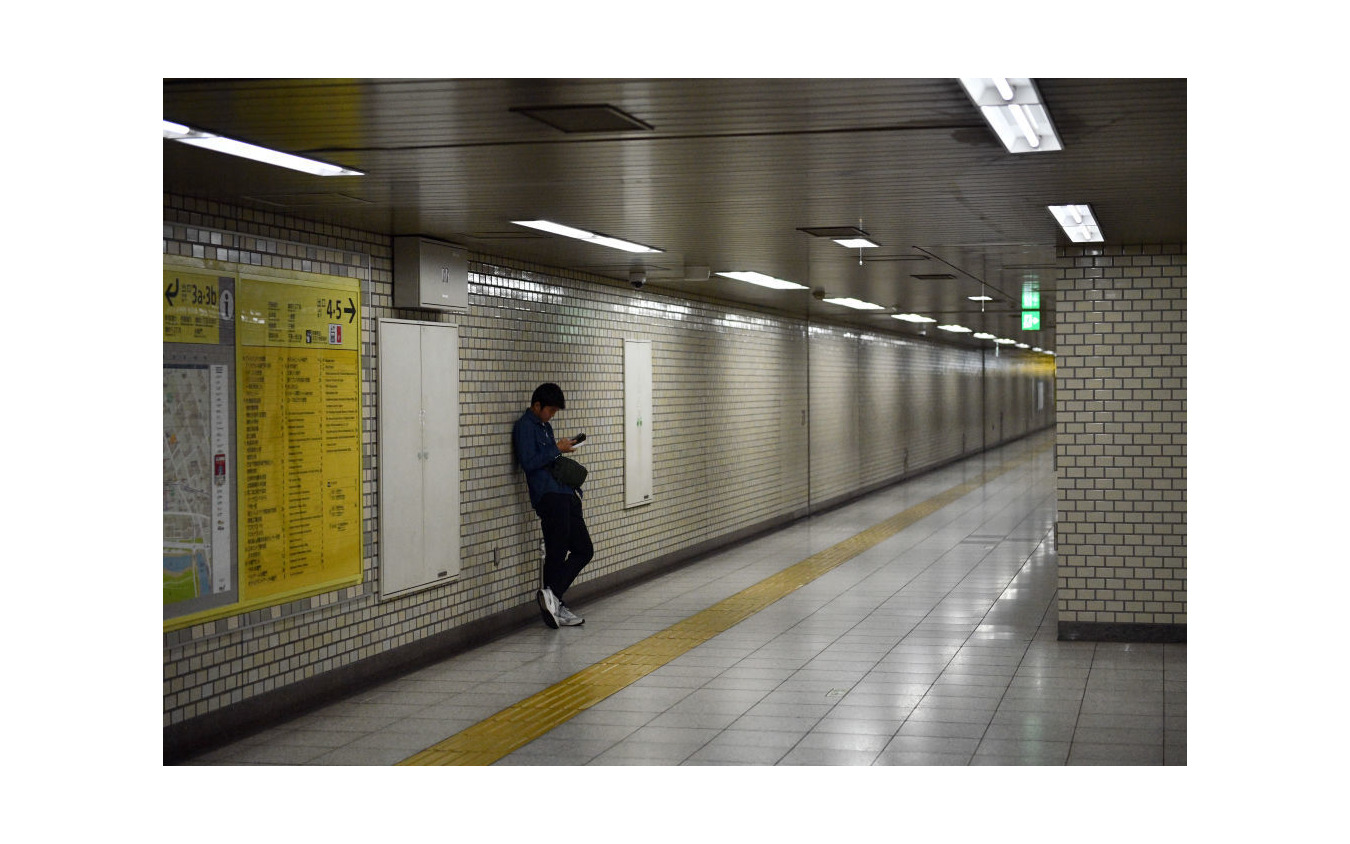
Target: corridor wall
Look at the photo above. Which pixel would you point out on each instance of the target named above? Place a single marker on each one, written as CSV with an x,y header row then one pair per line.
x,y
758,418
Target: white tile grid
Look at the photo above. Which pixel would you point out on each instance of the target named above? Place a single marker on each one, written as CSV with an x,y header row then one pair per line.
x,y
936,647
1121,422
720,375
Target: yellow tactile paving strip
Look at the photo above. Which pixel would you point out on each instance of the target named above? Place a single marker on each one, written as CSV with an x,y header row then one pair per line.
x,y
519,724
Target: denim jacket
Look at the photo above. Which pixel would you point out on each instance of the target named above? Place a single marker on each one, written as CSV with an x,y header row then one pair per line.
x,y
536,449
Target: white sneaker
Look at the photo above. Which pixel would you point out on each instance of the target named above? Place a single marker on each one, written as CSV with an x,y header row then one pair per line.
x,y
567,618
548,606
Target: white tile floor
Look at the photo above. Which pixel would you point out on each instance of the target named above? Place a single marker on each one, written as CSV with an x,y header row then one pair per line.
x,y
936,647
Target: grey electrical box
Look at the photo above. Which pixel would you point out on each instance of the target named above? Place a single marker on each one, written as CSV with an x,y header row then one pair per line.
x,y
430,274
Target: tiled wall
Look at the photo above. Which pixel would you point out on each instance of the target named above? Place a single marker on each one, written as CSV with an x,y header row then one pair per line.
x,y
735,394
893,405
1121,442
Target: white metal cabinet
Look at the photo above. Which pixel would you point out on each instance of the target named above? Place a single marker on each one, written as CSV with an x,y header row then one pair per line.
x,y
419,454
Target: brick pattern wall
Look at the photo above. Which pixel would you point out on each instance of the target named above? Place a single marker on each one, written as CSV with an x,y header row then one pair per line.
x,y
730,430
1121,436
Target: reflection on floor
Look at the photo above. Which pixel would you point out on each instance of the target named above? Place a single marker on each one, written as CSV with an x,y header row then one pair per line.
x,y
932,643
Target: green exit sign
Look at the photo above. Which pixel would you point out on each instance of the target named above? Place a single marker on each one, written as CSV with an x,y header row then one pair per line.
x,y
1031,300
1031,320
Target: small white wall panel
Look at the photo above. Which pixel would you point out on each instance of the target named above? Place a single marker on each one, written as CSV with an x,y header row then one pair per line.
x,y
637,431
419,454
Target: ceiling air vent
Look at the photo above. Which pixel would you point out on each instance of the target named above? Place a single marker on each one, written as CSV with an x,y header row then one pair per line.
x,y
585,118
836,231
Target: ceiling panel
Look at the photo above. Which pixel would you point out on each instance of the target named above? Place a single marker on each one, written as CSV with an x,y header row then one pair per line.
x,y
725,177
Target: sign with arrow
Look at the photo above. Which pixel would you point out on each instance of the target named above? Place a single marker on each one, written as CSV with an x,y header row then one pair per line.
x,y
193,307
298,314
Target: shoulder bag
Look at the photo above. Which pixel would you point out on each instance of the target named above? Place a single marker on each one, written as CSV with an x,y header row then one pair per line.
x,y
568,472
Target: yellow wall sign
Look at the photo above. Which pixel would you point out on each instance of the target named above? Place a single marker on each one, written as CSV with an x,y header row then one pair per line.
x,y
262,437
299,434
300,316
194,305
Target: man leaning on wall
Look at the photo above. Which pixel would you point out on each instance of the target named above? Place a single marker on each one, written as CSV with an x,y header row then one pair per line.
x,y
567,542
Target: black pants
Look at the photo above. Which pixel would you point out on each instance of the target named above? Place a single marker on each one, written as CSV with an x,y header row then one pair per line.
x,y
567,543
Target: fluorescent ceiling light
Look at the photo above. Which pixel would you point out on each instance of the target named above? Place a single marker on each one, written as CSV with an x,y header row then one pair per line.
x,y
1014,110
1077,222
958,329
1004,341
912,318
582,234
197,138
980,298
856,304
856,243
763,280
983,336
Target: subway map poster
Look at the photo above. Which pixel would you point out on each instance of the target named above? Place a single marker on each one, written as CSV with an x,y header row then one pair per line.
x,y
198,420
196,499
262,457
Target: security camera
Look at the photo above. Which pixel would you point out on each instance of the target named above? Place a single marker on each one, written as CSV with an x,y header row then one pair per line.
x,y
637,278
819,293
